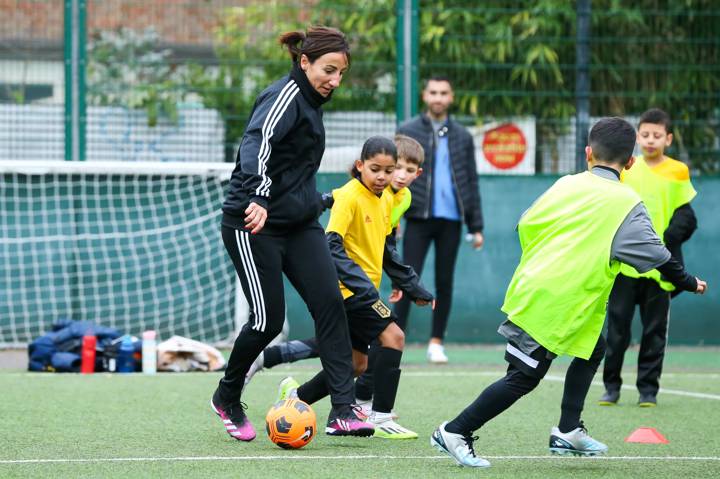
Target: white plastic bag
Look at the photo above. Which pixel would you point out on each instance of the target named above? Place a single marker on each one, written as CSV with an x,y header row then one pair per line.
x,y
180,354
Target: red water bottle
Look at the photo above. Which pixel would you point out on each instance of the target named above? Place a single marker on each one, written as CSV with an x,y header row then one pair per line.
x,y
87,366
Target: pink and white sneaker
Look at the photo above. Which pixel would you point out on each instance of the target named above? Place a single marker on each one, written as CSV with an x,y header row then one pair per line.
x,y
344,421
234,419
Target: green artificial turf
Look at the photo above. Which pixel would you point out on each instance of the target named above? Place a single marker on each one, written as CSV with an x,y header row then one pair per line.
x,y
105,425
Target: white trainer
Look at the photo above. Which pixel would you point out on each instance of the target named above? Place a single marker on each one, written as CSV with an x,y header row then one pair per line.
x,y
256,366
387,428
457,446
576,442
365,408
436,354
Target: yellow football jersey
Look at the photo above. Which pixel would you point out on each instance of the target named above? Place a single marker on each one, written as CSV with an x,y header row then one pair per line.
x,y
363,220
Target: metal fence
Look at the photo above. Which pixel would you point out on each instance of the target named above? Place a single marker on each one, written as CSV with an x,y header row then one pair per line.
x,y
514,58
176,79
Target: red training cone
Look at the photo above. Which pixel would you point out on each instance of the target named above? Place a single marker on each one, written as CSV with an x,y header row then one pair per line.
x,y
647,435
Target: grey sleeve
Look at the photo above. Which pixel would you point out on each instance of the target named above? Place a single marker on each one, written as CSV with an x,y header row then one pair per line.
x,y
637,244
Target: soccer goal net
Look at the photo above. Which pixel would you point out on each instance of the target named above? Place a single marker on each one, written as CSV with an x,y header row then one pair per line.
x,y
134,246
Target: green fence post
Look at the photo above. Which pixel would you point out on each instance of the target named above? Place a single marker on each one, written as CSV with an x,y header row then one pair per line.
x,y
75,65
582,83
407,59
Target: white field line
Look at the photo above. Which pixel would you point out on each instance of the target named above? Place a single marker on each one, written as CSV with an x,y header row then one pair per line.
x,y
692,375
675,392
286,371
418,374
285,457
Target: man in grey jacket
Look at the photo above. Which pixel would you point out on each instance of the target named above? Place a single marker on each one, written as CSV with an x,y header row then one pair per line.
x,y
444,197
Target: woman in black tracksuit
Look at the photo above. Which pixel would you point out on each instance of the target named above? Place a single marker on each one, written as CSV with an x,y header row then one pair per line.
x,y
270,227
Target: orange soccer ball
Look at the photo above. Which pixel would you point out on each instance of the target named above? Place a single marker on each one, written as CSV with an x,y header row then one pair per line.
x,y
291,424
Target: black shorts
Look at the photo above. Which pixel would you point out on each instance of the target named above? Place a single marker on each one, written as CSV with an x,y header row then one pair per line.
x,y
535,364
368,319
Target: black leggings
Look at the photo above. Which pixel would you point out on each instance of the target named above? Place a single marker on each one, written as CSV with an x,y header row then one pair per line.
x,y
290,351
303,256
503,393
416,242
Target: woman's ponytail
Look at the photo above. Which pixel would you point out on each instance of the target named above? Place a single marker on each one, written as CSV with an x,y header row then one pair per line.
x,y
314,43
293,41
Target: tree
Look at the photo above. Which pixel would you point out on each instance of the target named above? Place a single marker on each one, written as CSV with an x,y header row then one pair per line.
x,y
127,68
249,57
506,58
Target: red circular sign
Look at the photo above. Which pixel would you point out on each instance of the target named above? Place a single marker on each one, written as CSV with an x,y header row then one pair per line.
x,y
505,146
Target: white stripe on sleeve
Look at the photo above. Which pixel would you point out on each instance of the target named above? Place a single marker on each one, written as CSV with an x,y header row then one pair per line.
x,y
268,129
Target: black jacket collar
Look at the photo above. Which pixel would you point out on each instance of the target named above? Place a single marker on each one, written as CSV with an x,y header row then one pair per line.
x,y
425,118
311,94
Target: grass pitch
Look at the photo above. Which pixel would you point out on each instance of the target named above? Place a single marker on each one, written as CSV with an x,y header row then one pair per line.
x,y
105,425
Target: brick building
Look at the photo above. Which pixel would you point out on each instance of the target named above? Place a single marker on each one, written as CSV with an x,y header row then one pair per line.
x,y
32,37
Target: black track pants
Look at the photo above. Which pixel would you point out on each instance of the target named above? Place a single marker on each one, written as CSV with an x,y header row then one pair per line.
x,y
654,314
445,234
303,256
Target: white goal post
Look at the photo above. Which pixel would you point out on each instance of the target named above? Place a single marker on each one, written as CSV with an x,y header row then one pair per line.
x,y
130,245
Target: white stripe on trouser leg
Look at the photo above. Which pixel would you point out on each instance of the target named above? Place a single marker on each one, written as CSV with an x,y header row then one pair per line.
x,y
245,240
252,285
522,356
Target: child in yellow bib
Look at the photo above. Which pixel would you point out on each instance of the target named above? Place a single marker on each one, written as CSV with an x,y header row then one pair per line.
x,y
573,239
665,188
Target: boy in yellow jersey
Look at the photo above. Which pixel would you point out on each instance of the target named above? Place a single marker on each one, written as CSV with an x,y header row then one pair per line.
x,y
665,188
573,239
357,236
